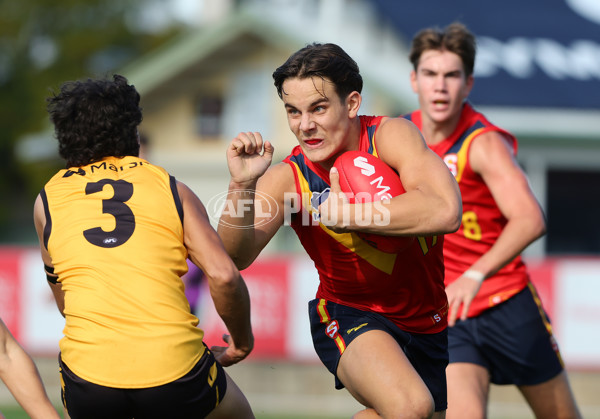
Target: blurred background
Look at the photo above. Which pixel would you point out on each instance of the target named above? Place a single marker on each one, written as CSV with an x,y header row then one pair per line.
x,y
203,69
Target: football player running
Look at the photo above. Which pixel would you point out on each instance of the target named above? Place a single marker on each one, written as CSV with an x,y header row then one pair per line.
x,y
499,332
379,319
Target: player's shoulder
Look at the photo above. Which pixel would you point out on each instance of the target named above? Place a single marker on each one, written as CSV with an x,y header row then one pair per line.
x,y
398,136
398,122
390,129
494,140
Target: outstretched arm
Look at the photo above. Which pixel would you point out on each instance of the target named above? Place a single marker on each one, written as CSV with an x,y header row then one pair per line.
x,y
21,376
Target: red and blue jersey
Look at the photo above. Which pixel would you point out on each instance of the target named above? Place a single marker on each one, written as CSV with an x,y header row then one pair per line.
x,y
482,220
405,287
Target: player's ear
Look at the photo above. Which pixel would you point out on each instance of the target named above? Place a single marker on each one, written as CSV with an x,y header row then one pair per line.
x,y
470,83
413,81
353,102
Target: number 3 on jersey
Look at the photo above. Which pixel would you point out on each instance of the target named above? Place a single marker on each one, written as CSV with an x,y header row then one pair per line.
x,y
115,206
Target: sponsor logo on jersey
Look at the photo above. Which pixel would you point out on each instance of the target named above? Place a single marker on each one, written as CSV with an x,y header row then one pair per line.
x,y
354,329
332,329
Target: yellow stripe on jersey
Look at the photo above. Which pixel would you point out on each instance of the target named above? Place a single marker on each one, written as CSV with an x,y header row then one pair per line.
x,y
304,189
380,260
326,319
340,343
322,310
462,153
538,303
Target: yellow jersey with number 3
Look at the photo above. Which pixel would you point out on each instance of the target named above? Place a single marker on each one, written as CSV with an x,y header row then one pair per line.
x,y
114,231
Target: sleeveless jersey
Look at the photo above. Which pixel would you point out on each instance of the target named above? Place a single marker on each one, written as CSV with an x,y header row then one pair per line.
x,y
115,235
405,287
482,221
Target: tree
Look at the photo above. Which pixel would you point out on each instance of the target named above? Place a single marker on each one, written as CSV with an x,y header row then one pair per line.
x,y
42,44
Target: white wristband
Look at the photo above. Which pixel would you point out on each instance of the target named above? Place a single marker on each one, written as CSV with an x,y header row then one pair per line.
x,y
474,275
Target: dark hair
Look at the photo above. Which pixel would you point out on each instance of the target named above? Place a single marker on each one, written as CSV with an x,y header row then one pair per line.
x,y
323,61
94,119
455,38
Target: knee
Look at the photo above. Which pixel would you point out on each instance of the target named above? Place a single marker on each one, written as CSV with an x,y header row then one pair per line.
x,y
424,408
414,408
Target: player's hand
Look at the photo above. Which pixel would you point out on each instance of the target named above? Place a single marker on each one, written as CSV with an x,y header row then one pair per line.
x,y
335,210
461,292
248,157
229,355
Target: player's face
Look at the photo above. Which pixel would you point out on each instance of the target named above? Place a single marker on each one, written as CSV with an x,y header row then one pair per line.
x,y
441,85
322,123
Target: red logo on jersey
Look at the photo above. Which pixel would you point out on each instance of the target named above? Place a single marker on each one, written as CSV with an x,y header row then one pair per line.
x,y
332,329
451,161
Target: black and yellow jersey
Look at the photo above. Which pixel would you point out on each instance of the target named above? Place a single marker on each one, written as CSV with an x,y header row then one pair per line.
x,y
114,231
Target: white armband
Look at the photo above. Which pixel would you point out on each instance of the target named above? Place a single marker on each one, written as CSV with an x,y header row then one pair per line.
x,y
474,275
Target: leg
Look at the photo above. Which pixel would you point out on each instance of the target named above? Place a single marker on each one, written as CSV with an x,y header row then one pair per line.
x,y
234,405
378,374
468,389
552,399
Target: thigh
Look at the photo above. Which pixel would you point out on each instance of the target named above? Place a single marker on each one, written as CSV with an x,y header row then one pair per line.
x,y
468,390
233,405
336,327
376,371
552,399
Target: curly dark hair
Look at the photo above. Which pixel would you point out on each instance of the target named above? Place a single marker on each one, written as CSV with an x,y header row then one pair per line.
x,y
94,119
325,61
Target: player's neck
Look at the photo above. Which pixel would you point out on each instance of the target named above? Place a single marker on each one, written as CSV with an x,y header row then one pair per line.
x,y
437,131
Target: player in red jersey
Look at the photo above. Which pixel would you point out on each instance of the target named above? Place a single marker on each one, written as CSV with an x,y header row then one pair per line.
x,y
499,331
379,319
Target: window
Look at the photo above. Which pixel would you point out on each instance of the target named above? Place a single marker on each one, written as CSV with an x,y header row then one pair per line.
x,y
209,117
573,212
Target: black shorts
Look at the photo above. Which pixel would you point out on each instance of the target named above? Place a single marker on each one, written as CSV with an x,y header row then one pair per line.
x,y
194,395
428,353
512,340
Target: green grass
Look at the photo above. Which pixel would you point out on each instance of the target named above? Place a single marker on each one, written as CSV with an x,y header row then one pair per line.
x,y
16,412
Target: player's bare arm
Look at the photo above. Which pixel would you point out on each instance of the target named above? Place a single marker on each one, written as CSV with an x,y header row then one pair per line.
x,y
39,220
21,376
227,288
431,204
244,227
511,191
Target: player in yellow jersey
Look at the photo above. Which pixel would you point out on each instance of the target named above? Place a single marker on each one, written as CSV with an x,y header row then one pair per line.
x,y
115,232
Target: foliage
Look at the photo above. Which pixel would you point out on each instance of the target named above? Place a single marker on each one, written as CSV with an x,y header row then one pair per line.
x,y
42,44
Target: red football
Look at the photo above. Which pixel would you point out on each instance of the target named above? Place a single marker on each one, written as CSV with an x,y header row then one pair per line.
x,y
365,178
